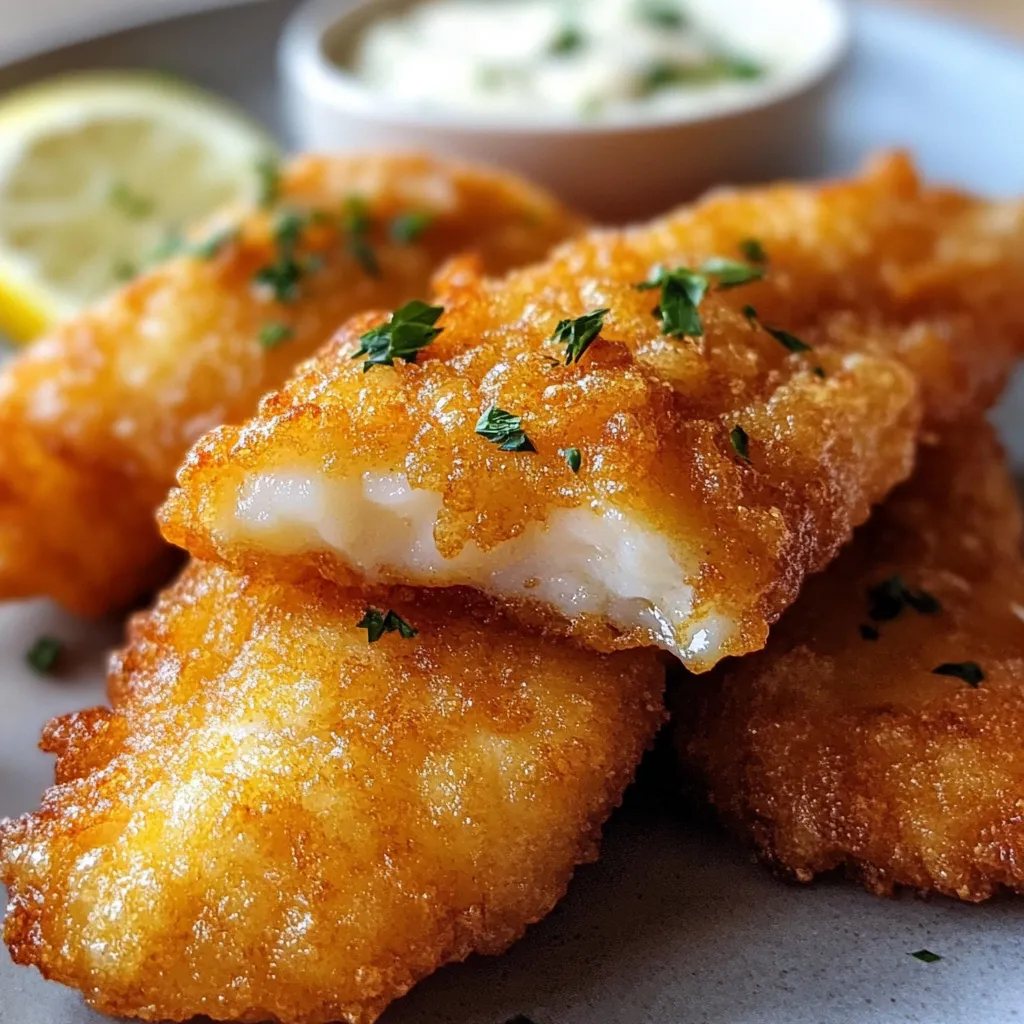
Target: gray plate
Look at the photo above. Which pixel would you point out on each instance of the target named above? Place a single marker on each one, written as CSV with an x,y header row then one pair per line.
x,y
675,925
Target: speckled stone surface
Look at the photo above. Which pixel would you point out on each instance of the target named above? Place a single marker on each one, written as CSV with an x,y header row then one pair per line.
x,y
675,925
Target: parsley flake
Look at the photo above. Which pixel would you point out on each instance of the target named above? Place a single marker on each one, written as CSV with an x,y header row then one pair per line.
x,y
787,340
922,602
132,204
274,334
44,654
410,329
753,250
124,270
730,273
886,600
740,442
573,458
211,247
926,956
784,338
742,68
969,671
681,293
357,224
268,176
683,289
668,74
504,430
409,227
663,14
868,632
281,278
377,623
569,40
578,335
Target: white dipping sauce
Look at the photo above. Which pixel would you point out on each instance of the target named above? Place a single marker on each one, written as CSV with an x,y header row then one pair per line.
x,y
576,59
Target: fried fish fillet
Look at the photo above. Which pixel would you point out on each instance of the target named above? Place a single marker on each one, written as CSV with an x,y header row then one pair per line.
x,y
96,417
281,821
660,488
880,731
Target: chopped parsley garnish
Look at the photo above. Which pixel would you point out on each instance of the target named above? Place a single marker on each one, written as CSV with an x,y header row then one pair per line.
x,y
410,329
661,75
663,14
274,334
281,278
926,956
886,600
176,244
753,250
44,654
969,671
504,430
787,340
784,338
357,224
268,173
922,602
868,632
573,458
819,371
131,203
682,291
730,273
742,68
124,270
569,40
740,442
210,247
409,227
578,335
377,623
667,74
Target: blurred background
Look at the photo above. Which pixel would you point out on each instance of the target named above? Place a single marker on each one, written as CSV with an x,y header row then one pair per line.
x,y
26,24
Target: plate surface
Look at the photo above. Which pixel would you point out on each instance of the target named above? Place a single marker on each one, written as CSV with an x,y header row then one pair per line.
x,y
675,925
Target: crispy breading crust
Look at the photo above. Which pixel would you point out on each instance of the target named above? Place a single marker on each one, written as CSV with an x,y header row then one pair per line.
x,y
863,270
96,417
828,751
280,821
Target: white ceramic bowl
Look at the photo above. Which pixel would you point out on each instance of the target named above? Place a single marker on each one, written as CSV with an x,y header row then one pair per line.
x,y
613,169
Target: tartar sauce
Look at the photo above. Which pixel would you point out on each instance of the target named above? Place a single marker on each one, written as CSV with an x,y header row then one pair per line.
x,y
552,59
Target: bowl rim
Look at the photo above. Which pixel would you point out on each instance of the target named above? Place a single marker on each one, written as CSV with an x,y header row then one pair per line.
x,y
306,68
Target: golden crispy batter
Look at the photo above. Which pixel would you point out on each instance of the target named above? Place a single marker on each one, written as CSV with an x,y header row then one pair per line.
x,y
828,750
96,417
279,820
666,534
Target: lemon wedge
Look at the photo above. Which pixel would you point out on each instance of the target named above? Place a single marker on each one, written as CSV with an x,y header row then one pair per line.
x,y
97,170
